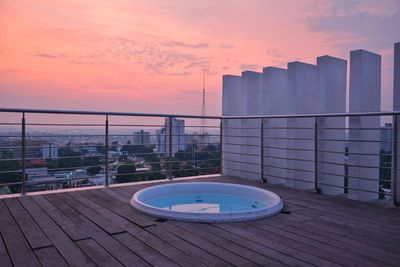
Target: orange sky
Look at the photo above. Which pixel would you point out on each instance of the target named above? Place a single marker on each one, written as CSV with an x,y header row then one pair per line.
x,y
148,56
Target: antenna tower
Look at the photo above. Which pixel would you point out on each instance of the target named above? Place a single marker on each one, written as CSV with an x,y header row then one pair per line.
x,y
203,107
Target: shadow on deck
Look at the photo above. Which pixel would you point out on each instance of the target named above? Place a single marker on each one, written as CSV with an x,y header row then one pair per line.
x,y
98,227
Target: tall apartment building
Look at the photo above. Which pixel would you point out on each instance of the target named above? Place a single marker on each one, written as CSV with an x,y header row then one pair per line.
x,y
178,136
141,138
49,151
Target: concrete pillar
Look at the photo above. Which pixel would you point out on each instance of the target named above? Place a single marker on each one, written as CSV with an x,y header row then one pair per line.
x,y
396,107
232,105
331,82
303,97
274,97
250,132
365,95
396,77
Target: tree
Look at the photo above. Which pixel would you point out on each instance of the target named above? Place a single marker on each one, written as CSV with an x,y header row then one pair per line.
x,y
71,159
126,173
93,170
114,146
139,150
11,177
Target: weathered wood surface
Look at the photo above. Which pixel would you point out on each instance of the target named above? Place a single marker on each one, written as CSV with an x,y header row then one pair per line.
x,y
98,228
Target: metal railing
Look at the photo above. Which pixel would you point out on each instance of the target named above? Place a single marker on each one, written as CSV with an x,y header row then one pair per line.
x,y
172,156
336,153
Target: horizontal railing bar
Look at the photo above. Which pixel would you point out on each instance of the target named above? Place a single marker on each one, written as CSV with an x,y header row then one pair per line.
x,y
354,177
239,170
102,113
284,158
286,168
289,148
243,162
242,136
133,114
238,153
313,115
355,166
247,145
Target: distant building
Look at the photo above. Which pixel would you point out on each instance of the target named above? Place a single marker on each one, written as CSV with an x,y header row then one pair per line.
x,y
33,173
386,137
49,151
141,138
178,137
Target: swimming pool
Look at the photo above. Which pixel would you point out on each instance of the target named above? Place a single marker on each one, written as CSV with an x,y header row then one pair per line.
x,y
207,202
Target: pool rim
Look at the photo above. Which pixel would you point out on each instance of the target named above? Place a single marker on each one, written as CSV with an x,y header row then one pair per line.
x,y
239,216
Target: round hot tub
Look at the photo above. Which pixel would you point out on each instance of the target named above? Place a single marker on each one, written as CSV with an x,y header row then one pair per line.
x,y
207,202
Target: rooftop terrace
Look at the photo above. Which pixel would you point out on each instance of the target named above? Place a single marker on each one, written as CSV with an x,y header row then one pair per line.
x,y
93,227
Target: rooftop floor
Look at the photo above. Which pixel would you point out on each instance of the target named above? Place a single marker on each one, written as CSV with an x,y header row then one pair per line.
x,y
98,227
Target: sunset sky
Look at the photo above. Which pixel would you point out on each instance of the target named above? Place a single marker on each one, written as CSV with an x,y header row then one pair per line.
x,y
148,56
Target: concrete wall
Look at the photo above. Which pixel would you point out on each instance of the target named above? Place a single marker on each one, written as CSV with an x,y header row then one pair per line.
x,y
232,105
250,140
331,82
274,98
365,95
303,97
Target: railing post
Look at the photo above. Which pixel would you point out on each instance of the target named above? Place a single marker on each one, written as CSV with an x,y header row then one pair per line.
x,y
395,159
220,146
316,178
23,154
263,179
106,149
170,147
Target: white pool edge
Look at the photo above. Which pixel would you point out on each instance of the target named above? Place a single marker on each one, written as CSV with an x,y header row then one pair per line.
x,y
209,217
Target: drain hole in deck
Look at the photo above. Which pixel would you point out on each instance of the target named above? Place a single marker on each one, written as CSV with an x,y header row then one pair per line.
x,y
286,212
160,220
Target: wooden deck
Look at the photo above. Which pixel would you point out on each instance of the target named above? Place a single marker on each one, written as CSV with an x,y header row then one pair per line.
x,y
98,227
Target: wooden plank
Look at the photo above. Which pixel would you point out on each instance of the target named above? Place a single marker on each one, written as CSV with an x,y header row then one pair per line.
x,y
73,229
146,252
112,246
353,246
72,254
30,229
4,258
144,236
121,208
98,254
75,201
235,248
188,248
18,248
272,253
211,248
283,245
50,257
326,250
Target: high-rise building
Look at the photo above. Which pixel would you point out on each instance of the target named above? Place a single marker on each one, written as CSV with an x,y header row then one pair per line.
x,y
141,138
386,137
49,151
178,136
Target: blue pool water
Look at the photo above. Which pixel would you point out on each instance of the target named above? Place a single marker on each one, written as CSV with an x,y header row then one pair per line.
x,y
206,203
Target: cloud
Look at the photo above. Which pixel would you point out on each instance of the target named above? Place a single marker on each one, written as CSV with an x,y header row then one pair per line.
x,y
351,24
244,67
177,73
186,45
45,55
273,53
226,46
11,70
